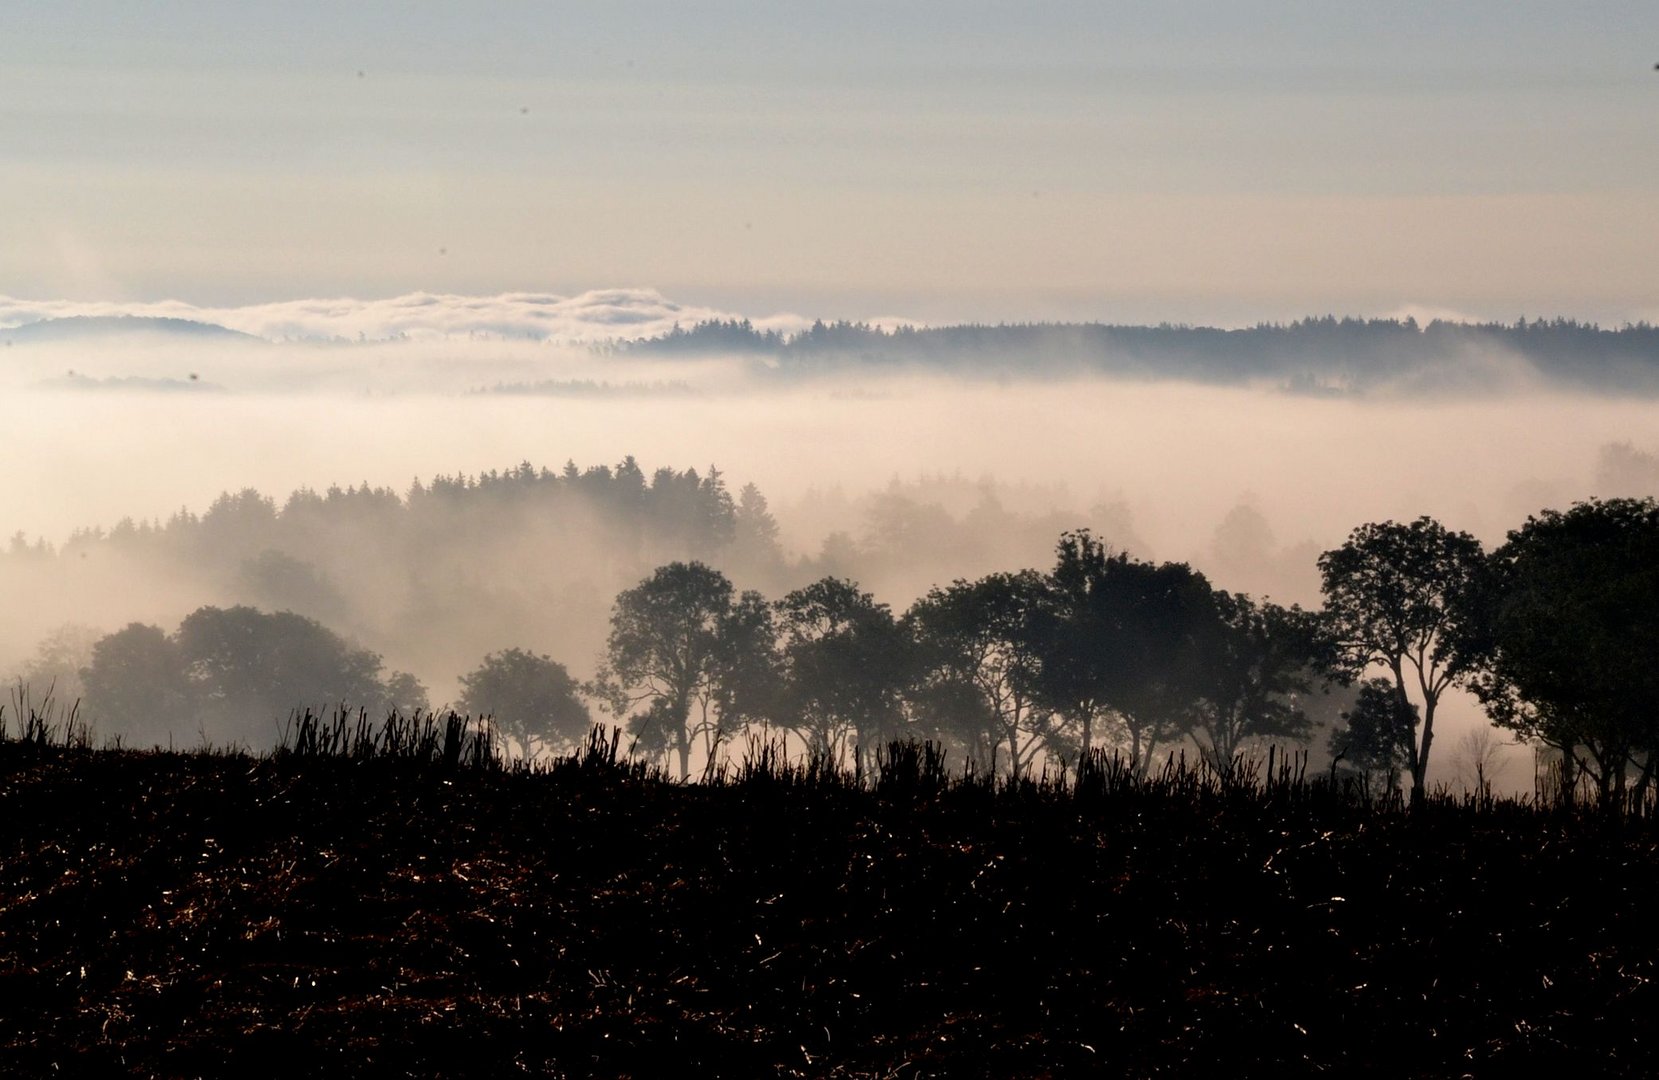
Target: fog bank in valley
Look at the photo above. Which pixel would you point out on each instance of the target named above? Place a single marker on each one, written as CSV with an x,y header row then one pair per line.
x,y
900,477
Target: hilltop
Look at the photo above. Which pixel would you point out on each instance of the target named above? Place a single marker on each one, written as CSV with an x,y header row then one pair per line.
x,y
78,328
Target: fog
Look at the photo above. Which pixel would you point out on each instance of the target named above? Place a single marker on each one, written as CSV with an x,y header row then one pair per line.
x,y
596,315
1179,456
901,479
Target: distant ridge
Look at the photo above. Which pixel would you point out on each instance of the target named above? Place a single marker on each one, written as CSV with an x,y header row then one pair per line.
x,y
1315,355
85,327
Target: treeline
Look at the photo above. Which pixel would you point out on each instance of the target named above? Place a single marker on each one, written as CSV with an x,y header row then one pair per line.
x,y
1104,650
669,509
455,566
1552,631
232,672
1315,354
252,677
459,566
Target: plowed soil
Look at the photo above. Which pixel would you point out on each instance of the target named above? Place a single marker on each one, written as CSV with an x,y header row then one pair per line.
x,y
216,915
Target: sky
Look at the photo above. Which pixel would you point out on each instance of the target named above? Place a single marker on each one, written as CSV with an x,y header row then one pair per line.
x,y
1197,161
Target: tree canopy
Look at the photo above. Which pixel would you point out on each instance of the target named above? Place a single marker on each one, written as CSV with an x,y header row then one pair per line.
x,y
976,641
671,641
1378,735
1552,631
1571,619
531,697
1402,596
236,672
1116,645
845,667
249,668
1253,664
137,686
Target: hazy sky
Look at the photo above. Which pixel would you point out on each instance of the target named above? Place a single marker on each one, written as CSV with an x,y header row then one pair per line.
x,y
1204,161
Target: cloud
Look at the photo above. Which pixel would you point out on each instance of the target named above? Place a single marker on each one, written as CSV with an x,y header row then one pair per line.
x,y
1427,313
596,315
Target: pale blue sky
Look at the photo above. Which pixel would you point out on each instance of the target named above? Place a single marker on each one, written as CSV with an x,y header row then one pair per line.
x,y
1200,161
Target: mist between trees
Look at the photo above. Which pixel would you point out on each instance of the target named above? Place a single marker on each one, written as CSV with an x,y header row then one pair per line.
x,y
679,617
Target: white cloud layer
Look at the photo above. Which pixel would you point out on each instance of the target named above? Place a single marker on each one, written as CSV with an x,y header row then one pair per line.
x,y
596,315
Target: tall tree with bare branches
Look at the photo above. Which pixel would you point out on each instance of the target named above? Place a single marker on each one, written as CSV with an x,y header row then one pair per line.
x,y
1401,597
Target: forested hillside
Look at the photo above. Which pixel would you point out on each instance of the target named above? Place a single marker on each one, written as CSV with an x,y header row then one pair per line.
x,y
1324,354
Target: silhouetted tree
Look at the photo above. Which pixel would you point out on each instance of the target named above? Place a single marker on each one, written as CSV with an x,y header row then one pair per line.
x,y
976,641
1378,736
667,651
1572,617
1117,644
137,686
405,695
1077,671
754,529
845,664
249,668
746,671
1401,596
235,526
1480,758
532,698
1253,664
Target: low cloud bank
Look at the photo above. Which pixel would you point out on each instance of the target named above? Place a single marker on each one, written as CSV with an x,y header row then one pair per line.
x,y
531,339
596,315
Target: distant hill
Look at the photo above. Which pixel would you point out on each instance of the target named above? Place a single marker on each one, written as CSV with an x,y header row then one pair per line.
x,y
104,327
1316,355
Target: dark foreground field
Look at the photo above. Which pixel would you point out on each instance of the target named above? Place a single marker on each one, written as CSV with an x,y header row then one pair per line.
x,y
173,914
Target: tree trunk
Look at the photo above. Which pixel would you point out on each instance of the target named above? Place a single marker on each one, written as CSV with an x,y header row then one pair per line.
x,y
1644,781
1419,762
1420,771
1569,774
682,737
1224,744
